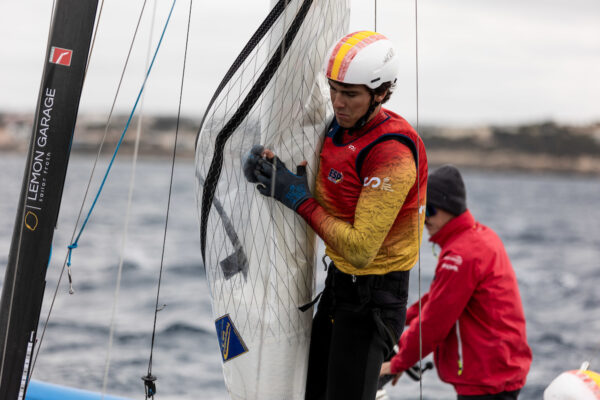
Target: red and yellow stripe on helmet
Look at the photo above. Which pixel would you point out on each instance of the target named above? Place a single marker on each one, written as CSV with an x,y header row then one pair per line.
x,y
346,50
363,57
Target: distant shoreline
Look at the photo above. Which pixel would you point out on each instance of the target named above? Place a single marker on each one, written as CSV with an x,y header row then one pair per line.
x,y
500,161
476,160
543,147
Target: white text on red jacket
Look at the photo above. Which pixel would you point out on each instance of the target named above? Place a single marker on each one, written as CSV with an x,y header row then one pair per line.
x,y
451,262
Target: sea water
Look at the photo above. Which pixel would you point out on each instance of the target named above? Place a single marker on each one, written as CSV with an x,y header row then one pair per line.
x,y
549,225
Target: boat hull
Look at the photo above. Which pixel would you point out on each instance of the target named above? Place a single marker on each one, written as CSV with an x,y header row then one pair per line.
x,y
37,390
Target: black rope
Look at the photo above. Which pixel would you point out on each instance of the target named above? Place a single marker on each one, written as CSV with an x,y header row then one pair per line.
x,y
214,171
262,30
149,379
252,43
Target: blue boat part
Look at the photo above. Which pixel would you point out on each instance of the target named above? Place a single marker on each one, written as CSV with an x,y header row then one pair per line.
x,y
37,390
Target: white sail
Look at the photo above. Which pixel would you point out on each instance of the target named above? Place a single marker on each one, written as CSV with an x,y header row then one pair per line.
x,y
260,256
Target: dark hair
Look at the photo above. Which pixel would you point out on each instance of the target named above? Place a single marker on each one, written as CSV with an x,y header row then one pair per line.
x,y
389,86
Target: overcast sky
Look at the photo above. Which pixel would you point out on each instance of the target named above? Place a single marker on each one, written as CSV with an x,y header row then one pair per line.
x,y
480,61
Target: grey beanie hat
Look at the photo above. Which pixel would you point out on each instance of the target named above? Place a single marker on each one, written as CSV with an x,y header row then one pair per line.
x,y
446,190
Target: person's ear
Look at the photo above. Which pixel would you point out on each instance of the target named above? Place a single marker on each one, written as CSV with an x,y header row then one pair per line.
x,y
379,97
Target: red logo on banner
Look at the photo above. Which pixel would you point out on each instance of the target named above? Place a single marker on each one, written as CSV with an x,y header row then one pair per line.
x,y
60,56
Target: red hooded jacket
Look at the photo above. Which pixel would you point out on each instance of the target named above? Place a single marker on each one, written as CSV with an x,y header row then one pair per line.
x,y
472,316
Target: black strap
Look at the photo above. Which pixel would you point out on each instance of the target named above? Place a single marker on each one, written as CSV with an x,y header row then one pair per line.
x,y
308,305
364,284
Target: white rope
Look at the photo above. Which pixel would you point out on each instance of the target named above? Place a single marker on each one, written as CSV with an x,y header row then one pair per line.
x,y
127,215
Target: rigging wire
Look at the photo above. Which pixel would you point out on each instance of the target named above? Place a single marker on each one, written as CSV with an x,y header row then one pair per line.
x,y
102,141
74,244
93,40
375,17
149,376
417,128
127,216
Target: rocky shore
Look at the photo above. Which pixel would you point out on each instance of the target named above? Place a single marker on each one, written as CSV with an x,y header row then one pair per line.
x,y
539,147
535,147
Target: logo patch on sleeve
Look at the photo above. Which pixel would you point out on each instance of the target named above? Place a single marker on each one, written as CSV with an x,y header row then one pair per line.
x,y
230,341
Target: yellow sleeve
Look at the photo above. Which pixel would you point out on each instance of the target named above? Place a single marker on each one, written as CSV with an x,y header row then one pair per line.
x,y
390,172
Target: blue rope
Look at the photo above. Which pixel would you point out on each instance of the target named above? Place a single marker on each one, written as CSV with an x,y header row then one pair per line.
x,y
73,245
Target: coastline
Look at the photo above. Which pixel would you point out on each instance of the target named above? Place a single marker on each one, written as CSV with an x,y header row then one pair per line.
x,y
501,160
541,147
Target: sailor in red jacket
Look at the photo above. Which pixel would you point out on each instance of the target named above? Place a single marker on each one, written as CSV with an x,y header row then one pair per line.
x,y
472,317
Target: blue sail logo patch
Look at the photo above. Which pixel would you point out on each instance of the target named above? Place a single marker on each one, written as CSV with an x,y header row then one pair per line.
x,y
230,341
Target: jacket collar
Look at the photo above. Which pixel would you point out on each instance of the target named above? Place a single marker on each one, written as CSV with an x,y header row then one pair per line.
x,y
456,225
376,120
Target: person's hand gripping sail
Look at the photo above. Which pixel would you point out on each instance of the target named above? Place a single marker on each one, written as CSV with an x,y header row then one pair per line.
x,y
275,179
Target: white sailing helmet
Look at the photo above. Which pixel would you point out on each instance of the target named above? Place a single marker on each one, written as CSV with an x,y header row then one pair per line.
x,y
574,385
363,58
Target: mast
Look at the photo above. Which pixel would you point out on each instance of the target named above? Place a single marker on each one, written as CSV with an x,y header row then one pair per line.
x,y
43,181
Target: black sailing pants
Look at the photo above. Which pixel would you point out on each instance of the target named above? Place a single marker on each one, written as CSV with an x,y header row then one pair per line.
x,y
356,325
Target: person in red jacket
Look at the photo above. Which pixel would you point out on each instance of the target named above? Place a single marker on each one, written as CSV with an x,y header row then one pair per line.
x,y
472,318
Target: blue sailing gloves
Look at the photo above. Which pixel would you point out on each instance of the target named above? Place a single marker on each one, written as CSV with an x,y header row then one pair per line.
x,y
250,163
289,188
274,178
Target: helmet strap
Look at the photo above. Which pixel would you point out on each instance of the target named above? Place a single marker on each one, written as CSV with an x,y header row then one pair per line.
x,y
362,121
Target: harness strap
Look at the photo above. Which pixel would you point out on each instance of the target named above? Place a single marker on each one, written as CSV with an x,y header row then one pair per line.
x,y
311,303
393,282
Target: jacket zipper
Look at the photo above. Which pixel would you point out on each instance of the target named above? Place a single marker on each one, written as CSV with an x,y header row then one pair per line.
x,y
460,353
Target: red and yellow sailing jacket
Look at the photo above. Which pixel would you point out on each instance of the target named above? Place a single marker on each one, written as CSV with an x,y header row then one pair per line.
x,y
472,316
369,189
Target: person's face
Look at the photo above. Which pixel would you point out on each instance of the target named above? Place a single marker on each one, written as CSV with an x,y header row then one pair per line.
x,y
350,102
435,219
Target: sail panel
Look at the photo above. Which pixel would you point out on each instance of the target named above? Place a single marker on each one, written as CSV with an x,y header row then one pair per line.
x,y
259,256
